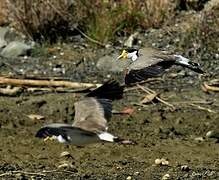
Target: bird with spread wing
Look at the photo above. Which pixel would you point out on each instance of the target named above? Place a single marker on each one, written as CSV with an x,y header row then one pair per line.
x,y
90,121
150,62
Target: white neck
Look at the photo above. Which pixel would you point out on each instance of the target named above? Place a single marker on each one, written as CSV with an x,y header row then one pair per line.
x,y
133,56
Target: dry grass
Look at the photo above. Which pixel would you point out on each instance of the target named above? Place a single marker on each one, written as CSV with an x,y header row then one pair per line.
x,y
106,18
100,19
3,12
41,19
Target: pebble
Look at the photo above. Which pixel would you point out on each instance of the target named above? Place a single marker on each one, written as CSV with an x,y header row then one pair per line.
x,y
129,178
199,139
185,168
212,134
25,57
161,161
65,154
136,173
166,176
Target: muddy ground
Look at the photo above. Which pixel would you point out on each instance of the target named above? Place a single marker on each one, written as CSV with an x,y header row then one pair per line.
x,y
177,135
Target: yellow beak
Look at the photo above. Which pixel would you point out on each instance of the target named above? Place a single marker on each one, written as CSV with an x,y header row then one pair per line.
x,y
124,55
52,138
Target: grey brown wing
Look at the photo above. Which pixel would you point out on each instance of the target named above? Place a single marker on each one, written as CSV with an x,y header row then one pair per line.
x,y
91,114
149,57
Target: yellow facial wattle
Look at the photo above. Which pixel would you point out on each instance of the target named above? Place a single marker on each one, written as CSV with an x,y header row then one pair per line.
x,y
124,55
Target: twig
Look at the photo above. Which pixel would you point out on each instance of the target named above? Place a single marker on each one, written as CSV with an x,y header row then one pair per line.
x,y
149,91
210,87
203,108
89,38
139,104
58,89
35,173
22,172
30,82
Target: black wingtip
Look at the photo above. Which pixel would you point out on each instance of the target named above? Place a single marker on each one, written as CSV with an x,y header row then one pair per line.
x,y
110,90
200,71
41,133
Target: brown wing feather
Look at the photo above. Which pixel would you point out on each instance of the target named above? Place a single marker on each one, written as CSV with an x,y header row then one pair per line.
x,y
91,114
150,57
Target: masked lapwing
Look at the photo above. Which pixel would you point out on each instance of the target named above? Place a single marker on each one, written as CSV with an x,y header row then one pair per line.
x,y
150,62
90,121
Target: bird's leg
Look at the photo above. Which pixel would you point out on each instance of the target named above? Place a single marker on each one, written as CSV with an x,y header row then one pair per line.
x,y
125,71
50,138
129,142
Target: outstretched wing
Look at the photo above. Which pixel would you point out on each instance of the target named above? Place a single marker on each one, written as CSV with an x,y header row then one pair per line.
x,y
134,76
91,114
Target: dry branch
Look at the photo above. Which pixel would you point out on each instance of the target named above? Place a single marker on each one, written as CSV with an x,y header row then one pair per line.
x,y
47,83
207,88
149,91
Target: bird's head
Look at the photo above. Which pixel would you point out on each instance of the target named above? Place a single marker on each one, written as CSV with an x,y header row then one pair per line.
x,y
129,54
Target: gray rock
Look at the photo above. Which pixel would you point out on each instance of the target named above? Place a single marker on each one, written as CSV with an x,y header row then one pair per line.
x,y
3,43
15,49
110,63
213,134
199,139
3,31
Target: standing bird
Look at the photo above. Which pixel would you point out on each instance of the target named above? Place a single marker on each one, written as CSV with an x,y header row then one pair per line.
x,y
90,121
149,62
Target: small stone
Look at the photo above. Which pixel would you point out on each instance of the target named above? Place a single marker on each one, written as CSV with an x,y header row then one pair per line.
x,y
157,161
136,173
64,165
25,57
107,46
185,168
164,162
161,161
61,53
212,134
36,117
166,176
129,178
199,139
65,154
15,49
54,57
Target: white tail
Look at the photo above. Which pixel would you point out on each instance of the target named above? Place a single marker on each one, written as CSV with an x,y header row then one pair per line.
x,y
106,137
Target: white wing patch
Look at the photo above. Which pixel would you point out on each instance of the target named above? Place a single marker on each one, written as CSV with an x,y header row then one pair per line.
x,y
60,139
182,60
